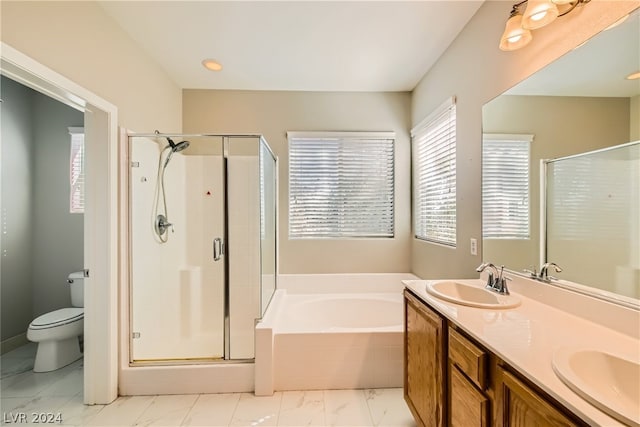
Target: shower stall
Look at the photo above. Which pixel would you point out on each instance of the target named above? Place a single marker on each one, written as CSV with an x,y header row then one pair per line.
x,y
202,247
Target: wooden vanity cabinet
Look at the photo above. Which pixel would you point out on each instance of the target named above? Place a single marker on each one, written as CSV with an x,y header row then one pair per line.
x,y
451,380
469,393
424,363
521,406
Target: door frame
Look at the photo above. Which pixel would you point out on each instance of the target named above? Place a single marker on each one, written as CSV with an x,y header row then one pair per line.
x,y
101,217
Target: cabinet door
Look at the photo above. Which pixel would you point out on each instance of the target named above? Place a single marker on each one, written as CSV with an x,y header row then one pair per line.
x,y
520,406
424,373
469,407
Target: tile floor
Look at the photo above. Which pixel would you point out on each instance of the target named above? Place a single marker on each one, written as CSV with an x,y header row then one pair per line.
x,y
60,392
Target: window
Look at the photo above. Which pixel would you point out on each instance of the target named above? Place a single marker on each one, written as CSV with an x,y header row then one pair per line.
x,y
341,185
505,186
434,176
76,170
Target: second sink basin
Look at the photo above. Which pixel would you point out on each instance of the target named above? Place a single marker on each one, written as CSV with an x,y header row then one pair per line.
x,y
471,295
608,382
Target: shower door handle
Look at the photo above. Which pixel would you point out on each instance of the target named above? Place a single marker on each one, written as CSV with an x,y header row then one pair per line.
x,y
218,249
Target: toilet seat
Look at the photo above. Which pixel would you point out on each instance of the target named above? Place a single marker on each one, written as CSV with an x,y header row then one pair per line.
x,y
56,318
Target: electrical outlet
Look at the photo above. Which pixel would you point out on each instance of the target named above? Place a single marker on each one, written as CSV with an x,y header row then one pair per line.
x,y
474,247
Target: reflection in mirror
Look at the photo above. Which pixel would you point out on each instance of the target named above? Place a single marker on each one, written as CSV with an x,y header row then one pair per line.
x,y
593,214
579,103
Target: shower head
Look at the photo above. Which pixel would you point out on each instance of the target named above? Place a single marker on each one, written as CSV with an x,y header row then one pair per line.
x,y
177,147
174,149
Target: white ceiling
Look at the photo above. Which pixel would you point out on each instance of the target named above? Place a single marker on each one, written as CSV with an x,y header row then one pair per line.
x,y
295,45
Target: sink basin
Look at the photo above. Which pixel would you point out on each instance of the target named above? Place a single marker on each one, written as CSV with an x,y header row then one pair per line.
x,y
471,295
608,382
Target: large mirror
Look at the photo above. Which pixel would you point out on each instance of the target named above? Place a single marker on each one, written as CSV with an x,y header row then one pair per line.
x,y
580,103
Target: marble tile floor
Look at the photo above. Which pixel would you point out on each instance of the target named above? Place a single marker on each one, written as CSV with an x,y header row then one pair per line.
x,y
59,393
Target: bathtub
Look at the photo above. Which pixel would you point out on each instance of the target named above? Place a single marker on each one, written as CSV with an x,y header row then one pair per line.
x,y
330,331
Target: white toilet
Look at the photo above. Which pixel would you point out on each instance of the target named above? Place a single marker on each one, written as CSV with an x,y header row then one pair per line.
x,y
58,332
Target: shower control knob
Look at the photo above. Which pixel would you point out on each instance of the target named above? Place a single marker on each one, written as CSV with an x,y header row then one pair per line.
x,y
162,224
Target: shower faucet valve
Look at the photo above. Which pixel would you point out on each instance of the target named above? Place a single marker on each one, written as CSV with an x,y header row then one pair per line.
x,y
162,224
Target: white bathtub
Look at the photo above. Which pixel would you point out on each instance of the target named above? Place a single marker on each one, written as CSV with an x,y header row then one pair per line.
x,y
331,332
311,313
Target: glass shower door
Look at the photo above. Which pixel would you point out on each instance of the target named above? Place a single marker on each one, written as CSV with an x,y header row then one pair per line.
x,y
177,292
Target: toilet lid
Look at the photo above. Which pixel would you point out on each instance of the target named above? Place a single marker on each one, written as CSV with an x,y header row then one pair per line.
x,y
58,317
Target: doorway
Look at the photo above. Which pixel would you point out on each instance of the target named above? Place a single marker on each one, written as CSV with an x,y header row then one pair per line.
x,y
101,225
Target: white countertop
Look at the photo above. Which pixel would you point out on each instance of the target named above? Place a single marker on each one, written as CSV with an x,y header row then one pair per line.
x,y
526,336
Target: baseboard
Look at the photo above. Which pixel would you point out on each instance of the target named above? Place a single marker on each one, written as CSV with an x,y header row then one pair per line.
x,y
13,343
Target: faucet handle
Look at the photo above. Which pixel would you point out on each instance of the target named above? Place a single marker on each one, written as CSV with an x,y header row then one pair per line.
x,y
501,284
532,273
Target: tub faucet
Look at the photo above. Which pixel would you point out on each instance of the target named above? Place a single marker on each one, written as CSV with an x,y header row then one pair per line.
x,y
495,279
544,271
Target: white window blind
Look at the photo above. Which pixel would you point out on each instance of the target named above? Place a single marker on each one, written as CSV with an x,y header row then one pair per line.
x,y
76,170
505,186
434,175
591,196
341,185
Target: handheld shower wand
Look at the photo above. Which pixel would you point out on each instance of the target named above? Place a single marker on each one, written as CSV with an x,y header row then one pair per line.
x,y
161,221
174,149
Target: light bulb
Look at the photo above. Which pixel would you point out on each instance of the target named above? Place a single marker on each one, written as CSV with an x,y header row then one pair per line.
x,y
538,14
514,36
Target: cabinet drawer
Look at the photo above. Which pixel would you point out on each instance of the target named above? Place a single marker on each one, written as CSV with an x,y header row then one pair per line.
x,y
469,358
469,408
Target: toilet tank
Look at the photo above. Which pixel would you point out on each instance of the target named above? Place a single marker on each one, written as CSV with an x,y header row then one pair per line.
x,y
76,284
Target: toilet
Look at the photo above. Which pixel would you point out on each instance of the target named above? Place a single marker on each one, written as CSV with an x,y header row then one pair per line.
x,y
58,332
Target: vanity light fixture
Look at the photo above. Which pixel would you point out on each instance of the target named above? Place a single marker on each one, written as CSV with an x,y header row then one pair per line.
x,y
212,65
530,15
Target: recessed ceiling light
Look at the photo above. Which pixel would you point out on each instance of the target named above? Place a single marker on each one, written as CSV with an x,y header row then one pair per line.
x,y
634,76
212,65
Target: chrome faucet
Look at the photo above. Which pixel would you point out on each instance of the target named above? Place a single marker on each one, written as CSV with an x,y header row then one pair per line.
x,y
544,271
491,276
496,281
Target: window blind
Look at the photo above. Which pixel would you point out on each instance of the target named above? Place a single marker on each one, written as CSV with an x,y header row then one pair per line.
x,y
76,170
505,186
591,196
341,185
434,176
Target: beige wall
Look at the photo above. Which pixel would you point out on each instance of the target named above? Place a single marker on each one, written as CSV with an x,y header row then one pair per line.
x,y
561,126
78,40
634,122
275,113
475,70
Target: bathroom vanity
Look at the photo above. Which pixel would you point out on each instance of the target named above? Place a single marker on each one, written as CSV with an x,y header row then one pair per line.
x,y
468,366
